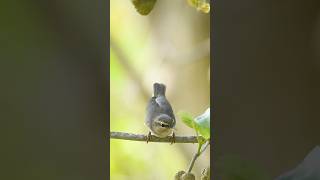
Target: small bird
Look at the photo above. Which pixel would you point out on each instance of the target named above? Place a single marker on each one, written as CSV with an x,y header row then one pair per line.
x,y
160,118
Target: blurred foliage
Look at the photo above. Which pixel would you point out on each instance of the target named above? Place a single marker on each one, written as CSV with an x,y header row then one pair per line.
x,y
200,5
144,7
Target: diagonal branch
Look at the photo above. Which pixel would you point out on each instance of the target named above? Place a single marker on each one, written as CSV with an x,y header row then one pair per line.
x,y
141,137
197,155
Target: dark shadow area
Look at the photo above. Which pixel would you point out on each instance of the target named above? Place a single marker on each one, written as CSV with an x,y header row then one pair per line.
x,y
53,90
266,84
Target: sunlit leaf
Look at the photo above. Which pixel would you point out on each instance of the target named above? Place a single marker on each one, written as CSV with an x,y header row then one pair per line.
x,y
202,124
200,5
144,7
186,119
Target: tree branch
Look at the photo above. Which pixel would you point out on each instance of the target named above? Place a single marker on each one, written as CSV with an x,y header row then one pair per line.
x,y
141,137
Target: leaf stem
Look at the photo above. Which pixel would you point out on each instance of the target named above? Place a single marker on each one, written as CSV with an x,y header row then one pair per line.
x,y
199,152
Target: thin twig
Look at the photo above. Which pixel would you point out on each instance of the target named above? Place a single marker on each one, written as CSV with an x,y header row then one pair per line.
x,y
142,137
197,155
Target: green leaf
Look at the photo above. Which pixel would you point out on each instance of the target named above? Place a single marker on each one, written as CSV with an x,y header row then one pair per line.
x,y
200,5
202,124
144,7
186,119
201,140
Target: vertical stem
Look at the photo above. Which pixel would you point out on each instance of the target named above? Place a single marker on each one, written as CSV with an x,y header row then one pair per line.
x,y
199,152
192,162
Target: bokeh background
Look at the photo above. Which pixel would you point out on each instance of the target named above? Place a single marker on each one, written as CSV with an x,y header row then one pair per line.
x,y
171,45
53,93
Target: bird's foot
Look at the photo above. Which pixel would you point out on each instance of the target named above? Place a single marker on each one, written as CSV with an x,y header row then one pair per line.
x,y
173,138
148,137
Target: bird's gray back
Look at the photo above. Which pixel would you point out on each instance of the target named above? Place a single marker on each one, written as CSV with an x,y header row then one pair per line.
x,y
157,106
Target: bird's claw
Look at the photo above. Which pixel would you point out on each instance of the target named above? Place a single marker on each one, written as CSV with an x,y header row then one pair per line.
x,y
173,138
148,137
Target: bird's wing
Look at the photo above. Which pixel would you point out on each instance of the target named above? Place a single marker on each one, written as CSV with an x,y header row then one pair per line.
x,y
162,103
164,106
153,108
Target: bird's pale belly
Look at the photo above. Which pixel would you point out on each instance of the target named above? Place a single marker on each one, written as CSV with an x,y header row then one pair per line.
x,y
162,132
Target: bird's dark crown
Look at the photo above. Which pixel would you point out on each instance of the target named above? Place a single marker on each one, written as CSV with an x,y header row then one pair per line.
x,y
165,121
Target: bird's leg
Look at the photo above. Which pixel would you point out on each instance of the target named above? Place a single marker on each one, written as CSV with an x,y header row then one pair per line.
x,y
173,138
148,136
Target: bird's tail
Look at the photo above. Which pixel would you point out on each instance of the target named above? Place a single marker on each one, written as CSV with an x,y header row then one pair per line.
x,y
159,89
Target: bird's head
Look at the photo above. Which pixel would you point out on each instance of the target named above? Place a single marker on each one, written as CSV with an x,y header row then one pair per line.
x,y
163,125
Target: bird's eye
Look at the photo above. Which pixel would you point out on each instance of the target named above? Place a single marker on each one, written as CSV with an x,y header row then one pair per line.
x,y
162,125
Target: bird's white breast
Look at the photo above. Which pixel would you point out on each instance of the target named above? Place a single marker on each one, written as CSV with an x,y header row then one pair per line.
x,y
162,131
